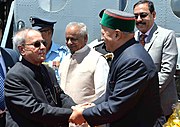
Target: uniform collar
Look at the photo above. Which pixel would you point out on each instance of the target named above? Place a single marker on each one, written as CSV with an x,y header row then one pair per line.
x,y
147,33
118,51
30,65
54,47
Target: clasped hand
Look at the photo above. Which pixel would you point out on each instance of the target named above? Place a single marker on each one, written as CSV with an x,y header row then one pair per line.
x,y
77,117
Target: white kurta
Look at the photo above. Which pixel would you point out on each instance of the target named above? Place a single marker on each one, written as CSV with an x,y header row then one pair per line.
x,y
84,75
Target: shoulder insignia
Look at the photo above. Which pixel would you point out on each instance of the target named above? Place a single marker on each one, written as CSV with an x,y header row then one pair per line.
x,y
109,56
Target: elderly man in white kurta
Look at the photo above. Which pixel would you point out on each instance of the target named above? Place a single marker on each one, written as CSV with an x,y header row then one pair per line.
x,y
83,72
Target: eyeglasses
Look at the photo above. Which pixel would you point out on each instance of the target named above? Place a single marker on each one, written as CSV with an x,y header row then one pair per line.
x,y
37,44
142,15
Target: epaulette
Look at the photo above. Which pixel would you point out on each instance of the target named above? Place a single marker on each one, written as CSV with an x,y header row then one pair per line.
x,y
100,42
108,56
95,43
45,63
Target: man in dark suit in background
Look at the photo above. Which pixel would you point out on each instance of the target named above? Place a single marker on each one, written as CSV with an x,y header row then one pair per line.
x,y
1,27
8,58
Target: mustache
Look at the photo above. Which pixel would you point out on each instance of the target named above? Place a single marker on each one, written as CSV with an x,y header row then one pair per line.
x,y
140,23
42,51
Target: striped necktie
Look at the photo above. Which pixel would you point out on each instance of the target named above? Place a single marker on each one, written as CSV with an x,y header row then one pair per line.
x,y
2,103
142,39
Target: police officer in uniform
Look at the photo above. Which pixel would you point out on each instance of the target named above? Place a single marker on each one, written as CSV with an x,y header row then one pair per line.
x,y
54,51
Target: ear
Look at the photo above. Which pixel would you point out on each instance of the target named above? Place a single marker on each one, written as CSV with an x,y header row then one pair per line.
x,y
50,31
86,38
21,50
154,14
117,34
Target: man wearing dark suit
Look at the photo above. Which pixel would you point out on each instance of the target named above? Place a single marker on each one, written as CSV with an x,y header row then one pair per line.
x,y
8,58
160,43
32,94
132,94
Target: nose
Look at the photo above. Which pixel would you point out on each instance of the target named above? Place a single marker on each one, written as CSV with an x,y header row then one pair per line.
x,y
68,41
138,18
42,46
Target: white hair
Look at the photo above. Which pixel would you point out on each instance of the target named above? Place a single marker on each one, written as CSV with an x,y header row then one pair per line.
x,y
21,36
83,28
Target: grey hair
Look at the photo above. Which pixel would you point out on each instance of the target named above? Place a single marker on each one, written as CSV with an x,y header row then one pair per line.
x,y
83,28
20,36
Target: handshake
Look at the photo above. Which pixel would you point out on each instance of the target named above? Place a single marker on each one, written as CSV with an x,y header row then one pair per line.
x,y
77,117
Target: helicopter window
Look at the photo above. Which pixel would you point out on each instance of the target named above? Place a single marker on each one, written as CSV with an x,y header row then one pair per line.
x,y
52,5
175,5
123,4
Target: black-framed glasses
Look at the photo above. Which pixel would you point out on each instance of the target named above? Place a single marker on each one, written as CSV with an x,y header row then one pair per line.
x,y
142,15
37,44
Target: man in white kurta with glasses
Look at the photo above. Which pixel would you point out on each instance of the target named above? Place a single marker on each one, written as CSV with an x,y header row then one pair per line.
x,y
83,72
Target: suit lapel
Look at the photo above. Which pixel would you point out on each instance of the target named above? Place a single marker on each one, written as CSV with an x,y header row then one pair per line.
x,y
151,37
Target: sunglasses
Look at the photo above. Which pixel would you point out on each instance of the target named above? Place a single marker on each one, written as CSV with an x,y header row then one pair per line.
x,y
142,15
37,44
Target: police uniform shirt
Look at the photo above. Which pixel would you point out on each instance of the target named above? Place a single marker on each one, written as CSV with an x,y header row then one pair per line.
x,y
56,53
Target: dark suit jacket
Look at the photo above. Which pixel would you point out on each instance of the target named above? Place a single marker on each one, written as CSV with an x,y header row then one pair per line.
x,y
10,57
132,94
27,102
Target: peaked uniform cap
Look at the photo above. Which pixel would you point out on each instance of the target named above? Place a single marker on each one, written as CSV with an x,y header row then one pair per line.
x,y
38,23
116,19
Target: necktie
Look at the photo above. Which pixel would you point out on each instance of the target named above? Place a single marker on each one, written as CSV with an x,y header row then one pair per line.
x,y
2,103
142,39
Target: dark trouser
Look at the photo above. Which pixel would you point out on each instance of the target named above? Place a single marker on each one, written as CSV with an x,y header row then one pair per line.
x,y
167,117
160,121
3,121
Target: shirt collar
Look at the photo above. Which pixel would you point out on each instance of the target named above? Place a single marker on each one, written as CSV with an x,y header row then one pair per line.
x,y
30,65
82,49
147,33
119,50
54,47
